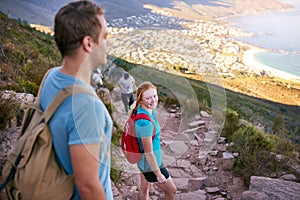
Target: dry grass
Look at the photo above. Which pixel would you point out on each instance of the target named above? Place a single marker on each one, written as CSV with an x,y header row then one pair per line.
x,y
273,89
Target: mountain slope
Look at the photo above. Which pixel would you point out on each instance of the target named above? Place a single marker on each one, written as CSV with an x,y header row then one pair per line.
x,y
42,12
25,55
26,11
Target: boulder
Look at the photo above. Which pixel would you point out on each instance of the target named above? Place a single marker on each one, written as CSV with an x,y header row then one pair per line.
x,y
271,189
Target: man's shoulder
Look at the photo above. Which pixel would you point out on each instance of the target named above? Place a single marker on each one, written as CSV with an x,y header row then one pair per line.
x,y
131,78
121,81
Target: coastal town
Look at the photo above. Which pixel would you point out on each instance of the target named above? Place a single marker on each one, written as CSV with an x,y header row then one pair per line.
x,y
199,47
172,44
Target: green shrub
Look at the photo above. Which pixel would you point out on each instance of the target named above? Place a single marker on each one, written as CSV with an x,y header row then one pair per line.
x,y
283,146
115,174
20,56
283,110
28,86
8,111
109,86
258,163
253,139
278,126
170,101
231,123
257,153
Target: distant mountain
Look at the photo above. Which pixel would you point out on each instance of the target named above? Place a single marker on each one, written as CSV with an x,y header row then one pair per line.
x,y
43,11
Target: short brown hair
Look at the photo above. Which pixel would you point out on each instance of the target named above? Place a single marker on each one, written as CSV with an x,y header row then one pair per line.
x,y
73,22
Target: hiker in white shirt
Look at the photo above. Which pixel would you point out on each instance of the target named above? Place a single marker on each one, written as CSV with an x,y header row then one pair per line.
x,y
97,78
126,84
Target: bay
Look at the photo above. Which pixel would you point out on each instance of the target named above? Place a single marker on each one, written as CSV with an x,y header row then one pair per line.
x,y
277,32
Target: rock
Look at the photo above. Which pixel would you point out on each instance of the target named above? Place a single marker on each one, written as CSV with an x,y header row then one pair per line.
x,y
181,184
215,168
195,124
227,164
221,140
192,130
227,155
214,153
178,173
197,117
206,169
19,97
197,172
183,163
169,160
288,177
172,110
177,148
212,189
197,195
197,183
253,195
115,190
205,114
275,188
235,154
200,161
194,142
134,188
178,115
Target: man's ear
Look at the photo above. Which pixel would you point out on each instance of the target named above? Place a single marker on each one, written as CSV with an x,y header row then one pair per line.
x,y
87,43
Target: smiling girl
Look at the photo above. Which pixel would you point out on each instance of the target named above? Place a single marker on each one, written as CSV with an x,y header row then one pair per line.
x,y
151,166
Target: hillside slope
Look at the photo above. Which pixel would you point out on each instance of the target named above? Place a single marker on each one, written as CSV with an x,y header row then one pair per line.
x,y
25,55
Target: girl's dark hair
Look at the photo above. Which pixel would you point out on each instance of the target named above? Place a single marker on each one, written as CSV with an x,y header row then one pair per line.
x,y
73,22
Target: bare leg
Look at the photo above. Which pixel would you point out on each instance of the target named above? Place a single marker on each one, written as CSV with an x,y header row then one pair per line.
x,y
144,188
169,189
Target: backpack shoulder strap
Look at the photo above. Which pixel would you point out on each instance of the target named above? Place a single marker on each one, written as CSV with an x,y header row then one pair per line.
x,y
146,117
64,94
37,102
142,116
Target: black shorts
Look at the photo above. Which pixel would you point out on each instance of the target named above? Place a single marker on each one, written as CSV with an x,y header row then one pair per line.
x,y
151,177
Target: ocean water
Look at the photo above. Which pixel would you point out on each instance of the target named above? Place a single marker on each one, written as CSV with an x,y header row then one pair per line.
x,y
278,32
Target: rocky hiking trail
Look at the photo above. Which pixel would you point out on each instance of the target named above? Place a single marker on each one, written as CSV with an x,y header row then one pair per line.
x,y
195,178
199,173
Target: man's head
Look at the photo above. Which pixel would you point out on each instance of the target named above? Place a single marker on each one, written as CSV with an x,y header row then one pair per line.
x,y
74,22
126,76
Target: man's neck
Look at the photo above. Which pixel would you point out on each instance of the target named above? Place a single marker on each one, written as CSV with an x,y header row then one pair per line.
x,y
77,68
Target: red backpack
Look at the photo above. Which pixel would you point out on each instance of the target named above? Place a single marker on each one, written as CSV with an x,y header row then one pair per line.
x,y
129,142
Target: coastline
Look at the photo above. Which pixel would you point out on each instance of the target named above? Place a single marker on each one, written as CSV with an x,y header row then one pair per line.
x,y
250,61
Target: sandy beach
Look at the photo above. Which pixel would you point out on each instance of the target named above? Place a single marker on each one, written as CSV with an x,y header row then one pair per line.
x,y
256,66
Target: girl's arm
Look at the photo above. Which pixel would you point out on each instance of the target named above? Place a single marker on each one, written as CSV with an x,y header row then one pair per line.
x,y
150,157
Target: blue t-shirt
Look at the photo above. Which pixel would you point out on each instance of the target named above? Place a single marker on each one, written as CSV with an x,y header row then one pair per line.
x,y
81,119
144,129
